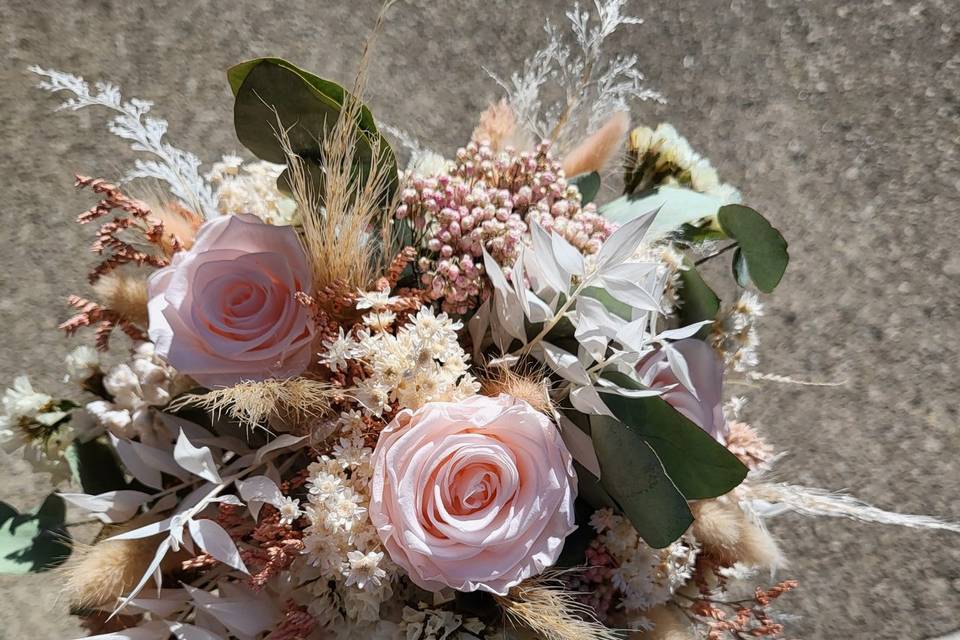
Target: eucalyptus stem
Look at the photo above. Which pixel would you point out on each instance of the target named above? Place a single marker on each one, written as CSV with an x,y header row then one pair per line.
x,y
715,254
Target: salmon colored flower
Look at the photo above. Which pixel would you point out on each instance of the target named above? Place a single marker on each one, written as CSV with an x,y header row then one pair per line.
x,y
476,494
225,311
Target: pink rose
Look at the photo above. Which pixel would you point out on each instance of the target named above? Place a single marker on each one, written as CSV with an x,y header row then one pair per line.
x,y
225,310
706,373
472,495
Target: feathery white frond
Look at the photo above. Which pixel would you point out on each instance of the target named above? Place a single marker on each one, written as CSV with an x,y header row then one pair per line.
x,y
179,169
811,501
592,86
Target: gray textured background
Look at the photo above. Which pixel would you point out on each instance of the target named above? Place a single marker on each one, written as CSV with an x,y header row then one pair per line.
x,y
841,122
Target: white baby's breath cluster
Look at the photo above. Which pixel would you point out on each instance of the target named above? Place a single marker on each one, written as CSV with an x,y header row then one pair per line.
x,y
665,151
645,577
421,362
31,421
734,333
251,187
341,544
138,388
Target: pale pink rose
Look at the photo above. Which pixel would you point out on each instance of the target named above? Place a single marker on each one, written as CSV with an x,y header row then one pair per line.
x,y
706,373
476,494
225,310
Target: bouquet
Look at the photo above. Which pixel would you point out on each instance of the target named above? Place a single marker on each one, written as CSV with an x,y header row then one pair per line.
x,y
484,395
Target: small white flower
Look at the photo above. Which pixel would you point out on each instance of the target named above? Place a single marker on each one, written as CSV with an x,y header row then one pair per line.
x,y
289,510
82,362
338,352
375,300
364,569
350,453
380,320
21,401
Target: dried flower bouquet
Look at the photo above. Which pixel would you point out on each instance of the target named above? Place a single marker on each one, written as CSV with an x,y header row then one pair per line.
x,y
463,400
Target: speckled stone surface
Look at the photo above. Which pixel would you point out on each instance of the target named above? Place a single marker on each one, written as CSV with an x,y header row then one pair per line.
x,y
840,120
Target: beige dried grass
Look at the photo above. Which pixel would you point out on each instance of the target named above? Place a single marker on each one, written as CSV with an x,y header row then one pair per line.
x,y
125,294
530,386
543,605
350,205
596,152
252,403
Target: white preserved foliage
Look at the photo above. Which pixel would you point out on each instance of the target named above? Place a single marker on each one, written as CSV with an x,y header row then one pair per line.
x,y
550,283
178,169
591,86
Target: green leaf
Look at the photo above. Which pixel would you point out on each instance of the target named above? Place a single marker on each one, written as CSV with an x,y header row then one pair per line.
x,y
678,206
95,467
33,542
740,271
698,465
588,184
763,248
699,302
268,90
634,477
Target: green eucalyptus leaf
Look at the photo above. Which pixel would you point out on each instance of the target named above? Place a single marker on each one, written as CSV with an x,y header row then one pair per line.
x,y
271,92
95,468
36,541
762,246
588,184
698,301
740,271
698,465
677,206
634,477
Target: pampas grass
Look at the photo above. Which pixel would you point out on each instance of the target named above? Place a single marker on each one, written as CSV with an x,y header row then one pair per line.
x,y
252,403
124,294
351,206
810,501
544,606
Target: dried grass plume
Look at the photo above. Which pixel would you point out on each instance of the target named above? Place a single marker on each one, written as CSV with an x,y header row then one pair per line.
x,y
544,606
596,151
125,294
98,575
530,386
252,404
351,206
497,126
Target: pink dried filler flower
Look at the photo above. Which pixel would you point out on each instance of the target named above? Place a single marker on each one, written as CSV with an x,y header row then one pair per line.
x,y
488,200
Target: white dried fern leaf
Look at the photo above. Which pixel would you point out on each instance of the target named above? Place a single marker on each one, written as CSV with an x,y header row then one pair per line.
x,y
178,169
592,87
772,498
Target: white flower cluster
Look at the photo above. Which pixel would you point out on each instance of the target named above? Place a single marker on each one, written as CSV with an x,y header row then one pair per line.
x,y
28,422
137,387
672,153
422,362
438,624
644,576
342,545
251,188
734,334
